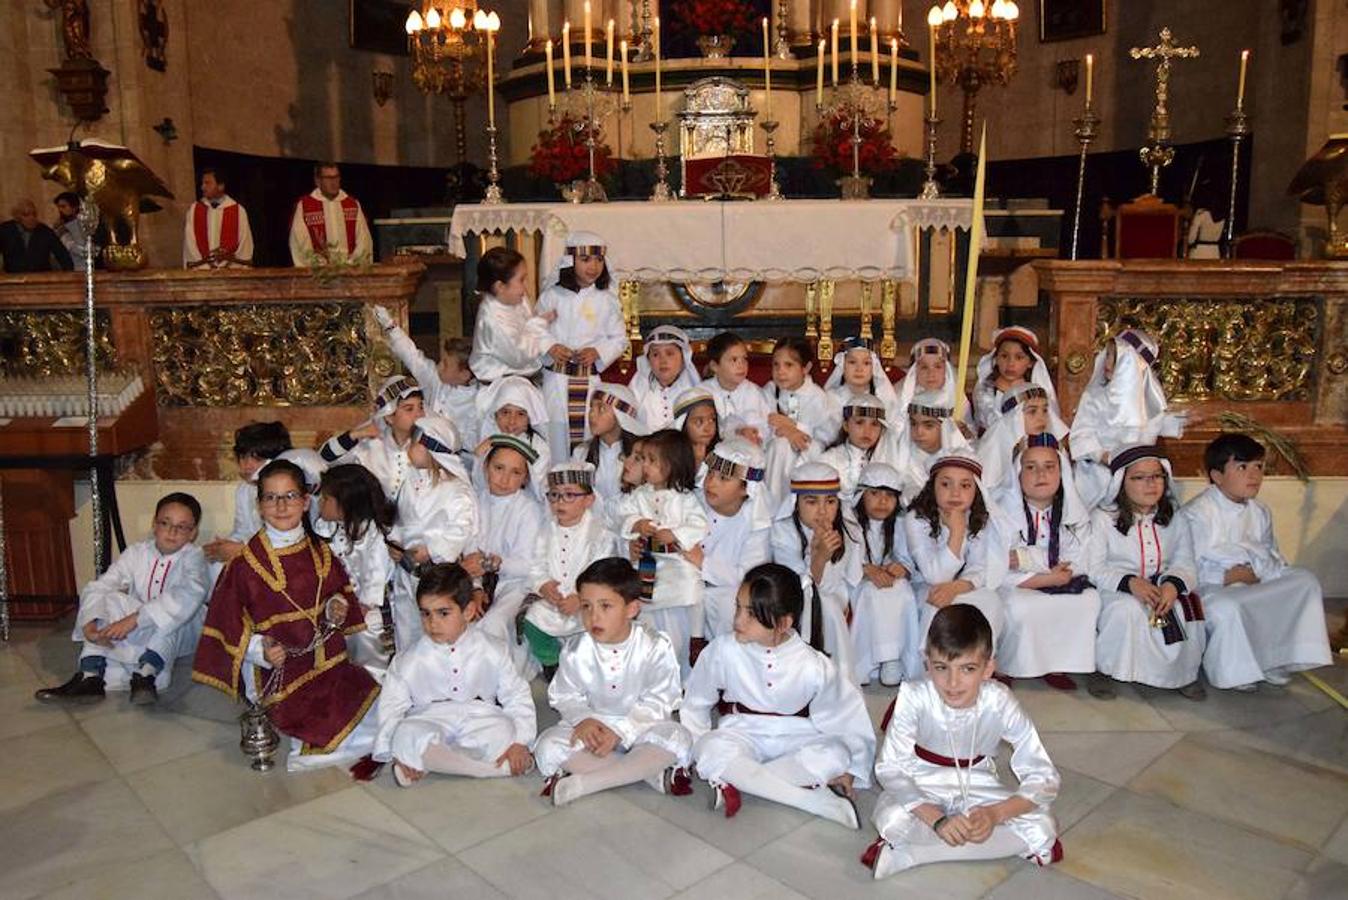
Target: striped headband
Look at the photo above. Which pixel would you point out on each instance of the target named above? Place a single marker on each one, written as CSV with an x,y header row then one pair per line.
x,y
1041,440
1129,455
617,403
958,462
393,392
430,443
688,403
1132,339
730,469
521,446
816,487
1032,393
864,412
856,342
582,477
1018,334
587,249
935,412
931,347
664,335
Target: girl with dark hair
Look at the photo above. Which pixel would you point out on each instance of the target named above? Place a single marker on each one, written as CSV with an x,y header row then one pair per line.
x,y
884,623
1015,359
695,416
864,438
802,419
508,336
614,427
791,721
355,519
859,372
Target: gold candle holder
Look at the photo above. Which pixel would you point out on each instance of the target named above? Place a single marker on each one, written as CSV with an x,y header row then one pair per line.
x,y
661,193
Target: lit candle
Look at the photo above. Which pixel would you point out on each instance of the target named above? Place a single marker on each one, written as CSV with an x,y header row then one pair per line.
x,y
566,53
608,66
819,77
531,26
1090,77
852,21
767,73
875,55
834,47
933,20
552,86
627,90
893,69
655,41
1240,92
491,88
588,61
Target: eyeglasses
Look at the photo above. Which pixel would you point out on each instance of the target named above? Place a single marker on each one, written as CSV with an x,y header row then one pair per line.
x,y
287,497
563,496
173,528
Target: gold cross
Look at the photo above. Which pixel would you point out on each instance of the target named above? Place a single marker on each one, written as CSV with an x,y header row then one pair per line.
x,y
1158,153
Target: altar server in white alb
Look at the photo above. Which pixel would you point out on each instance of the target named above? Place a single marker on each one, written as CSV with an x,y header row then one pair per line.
x,y
142,613
884,619
739,529
793,727
572,537
355,519
859,372
329,226
740,404
1015,359
216,234
865,437
616,690
942,800
1051,606
803,418
929,369
1151,627
448,386
513,407
436,521
588,335
381,443
615,424
931,429
1025,412
1265,618
1123,404
452,702
664,371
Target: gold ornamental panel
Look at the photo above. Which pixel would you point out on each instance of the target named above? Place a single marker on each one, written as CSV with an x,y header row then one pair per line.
x,y
50,343
264,355
1238,349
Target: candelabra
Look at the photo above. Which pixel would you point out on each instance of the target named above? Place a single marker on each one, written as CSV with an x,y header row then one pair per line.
x,y
774,188
661,192
930,190
643,48
782,48
586,108
857,104
493,194
976,46
1086,132
1237,129
449,57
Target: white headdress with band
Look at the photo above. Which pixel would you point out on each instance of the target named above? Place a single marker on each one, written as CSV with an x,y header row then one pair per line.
x,y
1118,467
512,390
1135,393
579,473
582,242
685,402
738,458
999,442
623,402
1039,373
908,388
1012,497
880,387
668,334
441,439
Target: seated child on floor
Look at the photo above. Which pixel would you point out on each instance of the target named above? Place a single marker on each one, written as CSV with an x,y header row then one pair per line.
x,y
942,800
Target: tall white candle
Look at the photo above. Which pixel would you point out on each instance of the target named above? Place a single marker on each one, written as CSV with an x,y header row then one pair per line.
x,y
767,73
627,90
833,45
655,40
608,65
491,87
1240,91
819,77
1090,77
893,69
552,86
931,53
852,21
875,55
566,53
588,60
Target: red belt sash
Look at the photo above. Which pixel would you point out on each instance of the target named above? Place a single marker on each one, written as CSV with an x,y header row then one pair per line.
x,y
731,708
937,759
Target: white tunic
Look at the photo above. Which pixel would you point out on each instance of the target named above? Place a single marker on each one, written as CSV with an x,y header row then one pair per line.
x,y
590,318
508,527
466,695
783,680
334,218
247,517
982,561
849,459
440,516
560,554
167,593
732,547
215,216
655,402
677,581
456,402
381,455
744,407
835,588
1127,646
507,340
608,475
632,687
1277,625
884,620
817,413
922,719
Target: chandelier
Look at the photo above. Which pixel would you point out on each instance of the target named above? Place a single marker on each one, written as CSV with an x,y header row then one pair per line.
x,y
449,48
975,46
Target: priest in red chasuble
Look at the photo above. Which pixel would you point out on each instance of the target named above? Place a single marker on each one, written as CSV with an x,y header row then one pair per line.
x,y
328,224
216,234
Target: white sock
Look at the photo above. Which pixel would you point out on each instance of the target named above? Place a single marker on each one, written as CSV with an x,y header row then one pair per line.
x,y
639,764
753,778
789,769
448,761
147,669
1003,842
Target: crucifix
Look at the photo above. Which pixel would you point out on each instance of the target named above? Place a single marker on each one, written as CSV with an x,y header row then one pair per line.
x,y
1157,153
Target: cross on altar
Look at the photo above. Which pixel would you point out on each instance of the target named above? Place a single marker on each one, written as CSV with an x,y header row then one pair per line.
x,y
1158,153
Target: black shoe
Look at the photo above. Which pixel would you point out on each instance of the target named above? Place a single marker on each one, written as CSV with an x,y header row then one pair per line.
x,y
548,673
1100,686
143,691
1194,691
80,689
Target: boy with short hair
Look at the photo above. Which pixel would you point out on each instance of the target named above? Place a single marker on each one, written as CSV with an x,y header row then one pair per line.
x,y
1265,619
942,799
448,386
142,613
616,688
255,445
453,702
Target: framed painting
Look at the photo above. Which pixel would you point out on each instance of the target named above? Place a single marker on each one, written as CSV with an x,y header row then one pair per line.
x,y
377,25
1061,20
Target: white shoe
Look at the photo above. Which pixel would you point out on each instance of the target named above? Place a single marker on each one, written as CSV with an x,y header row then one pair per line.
x,y
1246,688
891,860
891,673
1278,677
565,789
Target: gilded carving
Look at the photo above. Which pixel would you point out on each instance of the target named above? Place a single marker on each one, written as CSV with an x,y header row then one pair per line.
x,y
49,343
1076,363
1241,349
272,355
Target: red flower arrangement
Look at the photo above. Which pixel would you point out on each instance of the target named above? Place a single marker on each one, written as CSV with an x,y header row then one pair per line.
x,y
832,146
736,18
561,155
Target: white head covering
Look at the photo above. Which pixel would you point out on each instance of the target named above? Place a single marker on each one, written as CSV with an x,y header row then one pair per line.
x,y
999,442
581,473
393,391
738,458
1039,373
867,406
439,436
881,386
1135,393
585,241
310,461
880,475
1012,498
997,561
512,390
934,404
668,334
1119,463
623,402
908,387
684,403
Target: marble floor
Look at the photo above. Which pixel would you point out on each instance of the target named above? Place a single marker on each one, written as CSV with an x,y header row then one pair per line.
x,y
1245,795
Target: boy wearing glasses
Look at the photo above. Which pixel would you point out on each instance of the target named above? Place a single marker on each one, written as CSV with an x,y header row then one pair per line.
x,y
142,613
569,541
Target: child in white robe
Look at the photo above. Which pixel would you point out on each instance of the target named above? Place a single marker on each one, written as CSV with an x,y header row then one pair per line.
x,y
355,519
614,423
666,515
448,386
142,613
957,544
865,437
695,417
740,404
1051,606
1142,561
803,417
255,445
509,338
942,800
818,543
382,442
1123,404
512,406
1265,618
929,369
452,702
739,533
1015,359
616,690
588,334
793,727
859,372
664,371
884,620
574,536
1025,412
931,430
437,518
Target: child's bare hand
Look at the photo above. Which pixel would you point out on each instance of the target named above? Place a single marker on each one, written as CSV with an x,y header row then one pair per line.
x,y
550,591
476,606
587,356
1144,590
472,564
273,652
1060,574
1168,595
645,527
595,736
395,552
981,821
844,781
419,554
634,549
569,605
696,556
1241,574
222,549
121,628
559,354
362,432
943,594
665,536
898,570
780,423
409,773
519,757
877,576
799,441
955,831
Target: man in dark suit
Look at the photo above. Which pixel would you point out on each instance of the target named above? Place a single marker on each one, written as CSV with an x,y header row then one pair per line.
x,y
28,245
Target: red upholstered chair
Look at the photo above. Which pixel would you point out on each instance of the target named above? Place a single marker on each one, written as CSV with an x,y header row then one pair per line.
x,y
1265,245
1147,228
